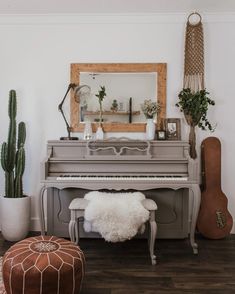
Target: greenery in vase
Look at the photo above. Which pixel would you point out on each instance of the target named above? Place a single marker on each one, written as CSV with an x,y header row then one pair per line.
x,y
100,95
150,108
195,105
12,154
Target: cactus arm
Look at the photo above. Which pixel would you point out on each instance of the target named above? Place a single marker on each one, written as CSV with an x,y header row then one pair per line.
x,y
12,108
19,170
21,134
11,145
18,187
20,164
4,156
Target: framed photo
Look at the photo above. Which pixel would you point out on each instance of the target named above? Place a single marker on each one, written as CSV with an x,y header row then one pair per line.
x,y
173,128
161,135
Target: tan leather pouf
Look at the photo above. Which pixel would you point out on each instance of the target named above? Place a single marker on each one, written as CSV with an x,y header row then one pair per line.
x,y
43,265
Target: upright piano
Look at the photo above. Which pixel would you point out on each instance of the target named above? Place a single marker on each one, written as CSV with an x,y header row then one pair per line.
x,y
120,164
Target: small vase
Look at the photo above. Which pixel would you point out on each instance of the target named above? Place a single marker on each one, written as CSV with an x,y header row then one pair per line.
x,y
150,129
99,134
87,133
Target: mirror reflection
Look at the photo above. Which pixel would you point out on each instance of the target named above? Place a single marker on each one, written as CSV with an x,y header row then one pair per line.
x,y
126,93
124,83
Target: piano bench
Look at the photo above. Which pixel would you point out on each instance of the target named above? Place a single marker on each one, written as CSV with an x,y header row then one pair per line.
x,y
78,206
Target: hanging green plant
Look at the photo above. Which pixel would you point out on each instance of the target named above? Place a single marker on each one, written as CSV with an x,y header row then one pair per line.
x,y
195,107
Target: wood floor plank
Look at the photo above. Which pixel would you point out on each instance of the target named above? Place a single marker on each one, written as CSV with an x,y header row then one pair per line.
x,y
125,268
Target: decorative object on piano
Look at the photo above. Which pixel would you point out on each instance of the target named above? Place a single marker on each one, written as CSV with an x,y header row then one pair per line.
x,y
100,95
114,106
150,129
195,105
81,93
214,220
161,135
156,72
161,131
150,109
15,205
173,128
87,133
99,135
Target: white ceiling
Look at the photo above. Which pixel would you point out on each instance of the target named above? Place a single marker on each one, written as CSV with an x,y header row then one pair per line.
x,y
113,6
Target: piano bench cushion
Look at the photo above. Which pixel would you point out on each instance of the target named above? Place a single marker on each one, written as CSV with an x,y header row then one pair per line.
x,y
43,264
81,204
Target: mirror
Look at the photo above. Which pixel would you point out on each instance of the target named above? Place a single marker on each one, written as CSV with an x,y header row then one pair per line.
x,y
138,81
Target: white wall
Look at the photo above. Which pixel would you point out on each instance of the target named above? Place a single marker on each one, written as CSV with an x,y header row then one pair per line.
x,y
35,57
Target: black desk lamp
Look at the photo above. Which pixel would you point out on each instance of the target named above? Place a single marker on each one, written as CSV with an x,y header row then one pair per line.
x,y
79,91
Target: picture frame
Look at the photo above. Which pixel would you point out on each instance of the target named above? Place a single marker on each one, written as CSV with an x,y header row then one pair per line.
x,y
173,128
161,135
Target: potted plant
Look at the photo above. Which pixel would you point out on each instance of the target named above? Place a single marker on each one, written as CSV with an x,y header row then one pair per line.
x,y
100,95
195,107
150,109
15,206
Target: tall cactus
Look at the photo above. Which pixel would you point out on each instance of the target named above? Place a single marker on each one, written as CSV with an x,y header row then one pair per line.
x,y
12,160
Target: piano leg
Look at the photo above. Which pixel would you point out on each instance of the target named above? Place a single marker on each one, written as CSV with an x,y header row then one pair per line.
x,y
41,207
152,237
195,209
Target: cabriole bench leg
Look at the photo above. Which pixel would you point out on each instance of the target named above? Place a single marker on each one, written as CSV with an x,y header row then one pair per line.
x,y
153,232
72,227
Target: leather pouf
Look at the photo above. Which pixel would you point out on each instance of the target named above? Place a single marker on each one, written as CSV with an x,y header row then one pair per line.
x,y
43,265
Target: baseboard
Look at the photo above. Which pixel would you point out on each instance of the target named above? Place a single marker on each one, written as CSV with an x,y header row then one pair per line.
x,y
36,227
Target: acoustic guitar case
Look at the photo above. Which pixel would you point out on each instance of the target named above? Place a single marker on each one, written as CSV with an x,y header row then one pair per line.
x,y
214,220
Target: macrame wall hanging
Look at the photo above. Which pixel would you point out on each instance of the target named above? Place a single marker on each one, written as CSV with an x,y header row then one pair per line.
x,y
193,70
194,55
193,99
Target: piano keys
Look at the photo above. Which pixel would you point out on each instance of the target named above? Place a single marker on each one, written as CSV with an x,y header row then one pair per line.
x,y
121,164
120,178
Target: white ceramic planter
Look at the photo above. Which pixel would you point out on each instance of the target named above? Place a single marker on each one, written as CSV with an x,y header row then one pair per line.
x,y
15,217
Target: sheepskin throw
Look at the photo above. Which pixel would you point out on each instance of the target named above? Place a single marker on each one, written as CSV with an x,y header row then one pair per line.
x,y
116,216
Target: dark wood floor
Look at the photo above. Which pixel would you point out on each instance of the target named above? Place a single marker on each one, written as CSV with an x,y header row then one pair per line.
x,y
125,268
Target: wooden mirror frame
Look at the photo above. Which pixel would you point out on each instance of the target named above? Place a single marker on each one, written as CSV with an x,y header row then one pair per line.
x,y
159,68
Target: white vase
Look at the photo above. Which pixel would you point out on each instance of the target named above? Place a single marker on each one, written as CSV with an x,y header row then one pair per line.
x,y
87,133
99,134
15,217
150,129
